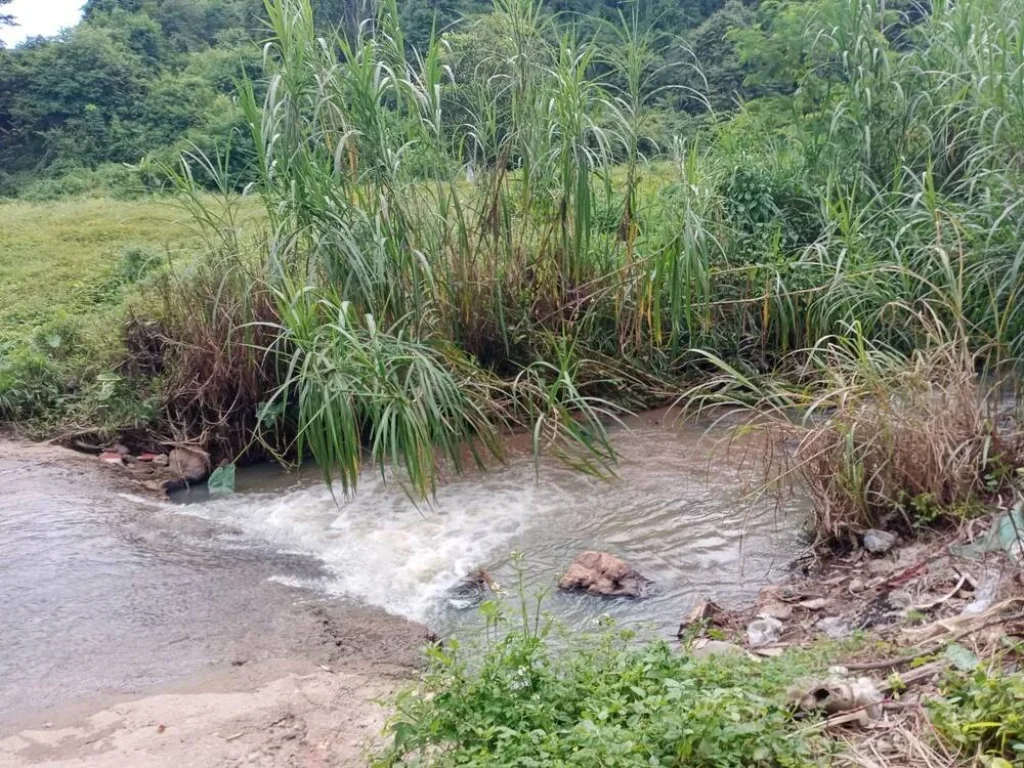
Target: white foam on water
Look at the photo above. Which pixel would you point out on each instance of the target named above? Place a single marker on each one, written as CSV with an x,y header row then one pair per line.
x,y
381,548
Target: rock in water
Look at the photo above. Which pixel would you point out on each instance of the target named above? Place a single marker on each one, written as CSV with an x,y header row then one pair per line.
x,y
879,542
471,591
602,574
190,464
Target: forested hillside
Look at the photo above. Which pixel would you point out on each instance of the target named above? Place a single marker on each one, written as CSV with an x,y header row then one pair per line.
x,y
146,78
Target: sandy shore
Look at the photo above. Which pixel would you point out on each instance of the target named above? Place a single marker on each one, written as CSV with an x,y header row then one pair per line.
x,y
290,712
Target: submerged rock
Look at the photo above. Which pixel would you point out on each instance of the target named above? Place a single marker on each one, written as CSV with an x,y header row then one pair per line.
x,y
878,542
599,573
471,590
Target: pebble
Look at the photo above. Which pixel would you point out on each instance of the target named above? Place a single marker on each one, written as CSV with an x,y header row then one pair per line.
x,y
857,585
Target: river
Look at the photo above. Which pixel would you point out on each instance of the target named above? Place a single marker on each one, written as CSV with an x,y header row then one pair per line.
x,y
105,592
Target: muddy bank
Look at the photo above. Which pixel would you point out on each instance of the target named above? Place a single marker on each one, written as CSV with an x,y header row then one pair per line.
x,y
118,612
277,713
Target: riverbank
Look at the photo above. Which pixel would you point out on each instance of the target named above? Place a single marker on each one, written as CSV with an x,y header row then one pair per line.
x,y
285,712
122,617
249,672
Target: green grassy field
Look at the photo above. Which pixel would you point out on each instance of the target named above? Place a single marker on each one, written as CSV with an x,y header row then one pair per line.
x,y
69,272
60,260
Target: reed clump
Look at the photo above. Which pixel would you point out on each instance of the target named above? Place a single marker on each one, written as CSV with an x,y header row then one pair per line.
x,y
461,240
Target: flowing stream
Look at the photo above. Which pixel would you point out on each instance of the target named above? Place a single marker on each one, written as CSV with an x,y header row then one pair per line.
x,y
101,592
676,512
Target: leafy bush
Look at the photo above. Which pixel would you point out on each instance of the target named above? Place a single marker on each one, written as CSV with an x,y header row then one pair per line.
x,y
536,699
981,714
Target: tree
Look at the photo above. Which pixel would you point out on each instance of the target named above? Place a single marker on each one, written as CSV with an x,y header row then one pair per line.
x,y
6,20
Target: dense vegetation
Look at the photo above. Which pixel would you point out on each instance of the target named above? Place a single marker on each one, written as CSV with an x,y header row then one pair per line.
x,y
458,219
144,79
522,220
534,696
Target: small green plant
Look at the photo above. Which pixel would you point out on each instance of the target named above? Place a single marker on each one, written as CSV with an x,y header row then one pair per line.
x,y
30,384
981,713
135,261
540,697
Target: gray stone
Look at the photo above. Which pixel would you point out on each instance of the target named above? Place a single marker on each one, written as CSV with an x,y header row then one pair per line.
x,y
776,610
705,648
834,627
764,631
878,542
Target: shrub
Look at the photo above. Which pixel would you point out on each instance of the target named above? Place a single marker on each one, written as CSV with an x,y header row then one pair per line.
x,y
209,337
538,699
980,713
30,384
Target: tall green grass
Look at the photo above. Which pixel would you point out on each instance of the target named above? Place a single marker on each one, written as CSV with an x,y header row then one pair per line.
x,y
464,242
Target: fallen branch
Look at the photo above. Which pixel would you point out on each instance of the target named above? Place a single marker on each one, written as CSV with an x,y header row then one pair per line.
x,y
941,600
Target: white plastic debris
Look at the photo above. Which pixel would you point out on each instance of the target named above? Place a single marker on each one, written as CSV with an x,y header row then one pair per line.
x,y
878,542
985,594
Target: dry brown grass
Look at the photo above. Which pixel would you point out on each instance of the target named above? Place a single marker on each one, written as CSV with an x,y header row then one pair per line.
x,y
879,439
922,440
211,345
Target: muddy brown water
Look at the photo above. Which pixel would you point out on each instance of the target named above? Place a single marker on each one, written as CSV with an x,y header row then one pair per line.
x,y
102,592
